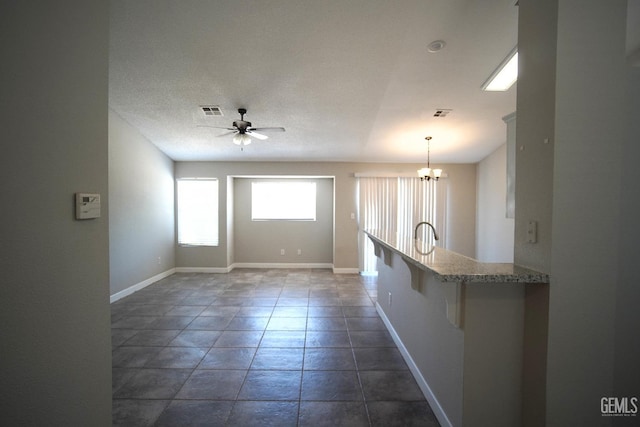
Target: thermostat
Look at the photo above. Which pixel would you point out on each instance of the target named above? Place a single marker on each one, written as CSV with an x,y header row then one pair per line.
x,y
87,205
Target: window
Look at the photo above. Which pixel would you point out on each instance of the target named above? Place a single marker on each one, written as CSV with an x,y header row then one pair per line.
x,y
197,212
283,200
398,204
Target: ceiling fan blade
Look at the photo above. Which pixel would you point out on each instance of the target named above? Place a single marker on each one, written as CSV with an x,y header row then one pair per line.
x,y
274,129
215,127
231,132
257,135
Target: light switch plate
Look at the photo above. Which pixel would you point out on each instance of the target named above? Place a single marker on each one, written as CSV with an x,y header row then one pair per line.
x,y
532,232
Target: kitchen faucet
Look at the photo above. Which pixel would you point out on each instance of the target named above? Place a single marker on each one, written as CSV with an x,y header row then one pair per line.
x,y
415,232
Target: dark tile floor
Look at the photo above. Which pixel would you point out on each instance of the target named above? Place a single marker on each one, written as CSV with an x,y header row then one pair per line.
x,y
259,348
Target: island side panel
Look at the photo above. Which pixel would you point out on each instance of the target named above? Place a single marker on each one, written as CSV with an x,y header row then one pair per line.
x,y
536,334
420,322
493,354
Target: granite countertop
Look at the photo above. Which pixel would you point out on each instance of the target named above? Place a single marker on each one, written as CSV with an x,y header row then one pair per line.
x,y
449,266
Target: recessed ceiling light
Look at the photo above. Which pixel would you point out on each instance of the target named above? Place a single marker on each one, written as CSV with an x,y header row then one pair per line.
x,y
436,46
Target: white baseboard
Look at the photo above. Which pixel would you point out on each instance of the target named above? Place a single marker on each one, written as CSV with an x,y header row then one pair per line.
x,y
131,289
279,265
266,265
203,269
422,383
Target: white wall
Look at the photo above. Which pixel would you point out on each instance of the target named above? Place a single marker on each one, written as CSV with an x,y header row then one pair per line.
x,y
54,298
141,196
494,231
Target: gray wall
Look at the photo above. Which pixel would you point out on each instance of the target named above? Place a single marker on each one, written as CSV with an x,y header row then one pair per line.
x,y
141,207
536,118
494,242
586,210
627,340
461,205
593,295
461,209
435,345
54,298
261,241
534,176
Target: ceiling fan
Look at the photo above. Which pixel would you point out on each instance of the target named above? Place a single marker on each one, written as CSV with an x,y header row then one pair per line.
x,y
242,130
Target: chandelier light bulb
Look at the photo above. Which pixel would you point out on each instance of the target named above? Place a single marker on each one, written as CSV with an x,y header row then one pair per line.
x,y
425,173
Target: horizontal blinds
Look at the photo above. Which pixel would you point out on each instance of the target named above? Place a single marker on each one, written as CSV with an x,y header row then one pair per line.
x,y
198,212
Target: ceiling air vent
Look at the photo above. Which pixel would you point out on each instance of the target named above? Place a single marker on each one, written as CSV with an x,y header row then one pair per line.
x,y
442,112
211,110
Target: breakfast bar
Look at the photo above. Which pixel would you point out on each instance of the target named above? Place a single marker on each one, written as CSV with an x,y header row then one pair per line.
x,y
473,333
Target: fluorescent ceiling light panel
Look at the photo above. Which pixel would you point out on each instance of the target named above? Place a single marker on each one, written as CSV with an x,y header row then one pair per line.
x,y
505,75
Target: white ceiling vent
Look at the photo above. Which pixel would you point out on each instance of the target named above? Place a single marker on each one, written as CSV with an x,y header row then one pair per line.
x,y
211,110
442,112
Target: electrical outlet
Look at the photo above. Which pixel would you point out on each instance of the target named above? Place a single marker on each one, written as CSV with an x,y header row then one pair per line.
x,y
389,299
299,251
281,251
159,260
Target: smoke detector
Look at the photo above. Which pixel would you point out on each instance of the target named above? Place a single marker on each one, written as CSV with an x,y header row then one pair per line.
x,y
436,46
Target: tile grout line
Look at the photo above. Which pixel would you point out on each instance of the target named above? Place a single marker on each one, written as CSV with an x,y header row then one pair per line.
x,y
350,295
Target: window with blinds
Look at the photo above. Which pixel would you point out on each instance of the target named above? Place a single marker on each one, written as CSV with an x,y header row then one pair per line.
x,y
397,203
197,200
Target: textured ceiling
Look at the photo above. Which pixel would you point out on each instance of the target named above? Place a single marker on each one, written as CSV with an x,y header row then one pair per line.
x,y
350,80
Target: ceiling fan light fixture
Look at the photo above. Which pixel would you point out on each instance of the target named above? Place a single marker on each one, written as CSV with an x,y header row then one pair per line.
x,y
241,139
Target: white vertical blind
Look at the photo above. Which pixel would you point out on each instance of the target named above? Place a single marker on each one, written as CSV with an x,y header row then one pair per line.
x,y
377,210
197,212
417,202
398,204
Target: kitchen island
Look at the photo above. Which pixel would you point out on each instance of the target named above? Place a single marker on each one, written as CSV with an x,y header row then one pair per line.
x,y
473,334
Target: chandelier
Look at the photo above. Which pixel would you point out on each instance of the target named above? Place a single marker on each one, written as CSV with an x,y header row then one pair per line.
x,y
428,173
